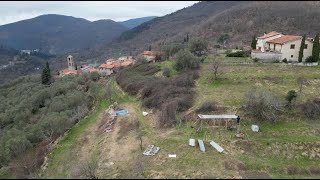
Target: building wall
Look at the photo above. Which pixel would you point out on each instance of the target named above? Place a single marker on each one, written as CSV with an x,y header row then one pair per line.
x,y
149,58
105,72
287,52
266,55
262,42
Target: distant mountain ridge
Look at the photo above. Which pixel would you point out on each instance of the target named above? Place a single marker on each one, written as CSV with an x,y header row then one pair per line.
x,y
212,19
132,23
58,34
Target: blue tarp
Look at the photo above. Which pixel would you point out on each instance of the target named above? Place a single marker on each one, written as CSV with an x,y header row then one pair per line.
x,y
122,112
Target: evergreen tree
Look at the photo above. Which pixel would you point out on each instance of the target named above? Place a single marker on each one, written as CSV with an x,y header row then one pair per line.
x,y
150,48
187,37
302,48
46,75
75,66
316,49
254,42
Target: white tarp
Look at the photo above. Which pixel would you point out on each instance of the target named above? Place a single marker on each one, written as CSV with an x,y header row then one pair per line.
x,y
145,113
255,128
172,155
217,116
201,145
216,146
192,142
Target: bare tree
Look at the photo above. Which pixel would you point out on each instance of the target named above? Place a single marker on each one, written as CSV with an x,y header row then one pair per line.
x,y
89,168
301,81
215,66
262,104
109,91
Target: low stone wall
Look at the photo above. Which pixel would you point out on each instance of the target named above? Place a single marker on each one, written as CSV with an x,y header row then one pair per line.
x,y
266,55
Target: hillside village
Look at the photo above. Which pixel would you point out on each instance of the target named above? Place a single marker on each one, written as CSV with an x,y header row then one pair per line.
x,y
110,66
173,97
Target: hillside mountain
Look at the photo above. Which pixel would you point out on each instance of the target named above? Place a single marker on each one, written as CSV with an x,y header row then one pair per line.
x,y
14,64
210,19
58,34
132,23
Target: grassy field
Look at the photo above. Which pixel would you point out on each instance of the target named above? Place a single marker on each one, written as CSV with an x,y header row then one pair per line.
x,y
288,148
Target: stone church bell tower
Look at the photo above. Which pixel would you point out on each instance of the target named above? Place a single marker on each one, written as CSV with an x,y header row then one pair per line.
x,y
71,65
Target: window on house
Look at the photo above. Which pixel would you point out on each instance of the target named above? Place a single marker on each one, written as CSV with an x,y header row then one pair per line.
x,y
292,46
292,56
306,46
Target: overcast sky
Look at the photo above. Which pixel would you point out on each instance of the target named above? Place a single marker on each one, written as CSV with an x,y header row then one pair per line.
x,y
12,11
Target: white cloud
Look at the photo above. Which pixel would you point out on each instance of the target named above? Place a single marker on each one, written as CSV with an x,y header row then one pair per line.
x,y
12,11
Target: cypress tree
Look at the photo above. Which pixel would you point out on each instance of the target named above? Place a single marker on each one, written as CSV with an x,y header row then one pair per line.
x,y
254,42
316,49
46,75
187,37
150,48
303,42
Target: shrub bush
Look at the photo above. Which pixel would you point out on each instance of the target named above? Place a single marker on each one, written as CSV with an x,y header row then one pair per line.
x,y
311,109
171,95
291,95
309,59
285,60
239,54
208,106
262,104
166,72
186,60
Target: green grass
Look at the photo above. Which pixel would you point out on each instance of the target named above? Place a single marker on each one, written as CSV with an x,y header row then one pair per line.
x,y
63,149
5,173
169,64
64,145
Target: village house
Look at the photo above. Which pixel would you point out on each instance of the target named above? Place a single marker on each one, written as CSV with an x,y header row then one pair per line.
x,y
276,46
150,56
25,51
106,69
123,61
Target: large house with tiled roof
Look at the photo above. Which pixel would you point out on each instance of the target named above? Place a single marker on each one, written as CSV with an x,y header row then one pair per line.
x,y
276,46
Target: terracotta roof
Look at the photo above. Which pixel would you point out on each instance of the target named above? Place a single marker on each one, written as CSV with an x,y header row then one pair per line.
x,y
110,60
149,53
284,39
67,71
106,66
127,63
93,70
272,33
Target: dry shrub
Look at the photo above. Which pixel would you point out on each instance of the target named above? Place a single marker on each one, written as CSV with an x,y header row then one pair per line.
x,y
167,116
26,165
314,170
89,168
171,95
262,104
208,106
311,108
234,165
292,170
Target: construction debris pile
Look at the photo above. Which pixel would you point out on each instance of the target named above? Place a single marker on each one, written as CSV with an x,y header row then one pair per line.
x,y
151,150
110,117
202,147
